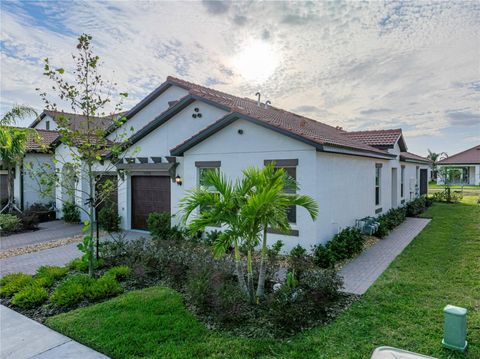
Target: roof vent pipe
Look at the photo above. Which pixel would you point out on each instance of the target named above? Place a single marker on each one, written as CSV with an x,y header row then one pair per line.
x,y
258,101
268,102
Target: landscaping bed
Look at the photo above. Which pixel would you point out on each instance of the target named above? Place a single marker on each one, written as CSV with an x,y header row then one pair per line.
x,y
403,309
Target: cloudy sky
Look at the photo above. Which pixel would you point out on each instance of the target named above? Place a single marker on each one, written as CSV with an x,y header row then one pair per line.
x,y
412,65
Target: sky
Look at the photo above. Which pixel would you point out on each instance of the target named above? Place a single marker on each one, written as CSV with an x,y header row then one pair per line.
x,y
359,65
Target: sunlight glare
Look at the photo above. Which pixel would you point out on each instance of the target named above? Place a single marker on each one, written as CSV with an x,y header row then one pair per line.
x,y
257,61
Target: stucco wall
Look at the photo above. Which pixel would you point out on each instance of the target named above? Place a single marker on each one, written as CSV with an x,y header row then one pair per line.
x,y
31,187
152,110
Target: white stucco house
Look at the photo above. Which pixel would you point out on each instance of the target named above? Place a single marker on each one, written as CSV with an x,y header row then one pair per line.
x,y
466,165
26,186
183,129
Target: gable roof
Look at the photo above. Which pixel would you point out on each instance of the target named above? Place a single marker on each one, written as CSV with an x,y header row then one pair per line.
x,y
76,120
380,138
470,156
412,157
45,138
288,123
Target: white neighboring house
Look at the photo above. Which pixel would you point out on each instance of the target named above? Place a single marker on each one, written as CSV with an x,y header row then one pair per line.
x,y
183,129
467,164
26,187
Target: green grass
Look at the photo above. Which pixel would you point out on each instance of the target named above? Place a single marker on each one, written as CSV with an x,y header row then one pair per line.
x,y
435,185
403,308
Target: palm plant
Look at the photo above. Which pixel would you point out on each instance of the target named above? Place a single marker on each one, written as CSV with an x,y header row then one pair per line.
x,y
274,193
13,145
220,202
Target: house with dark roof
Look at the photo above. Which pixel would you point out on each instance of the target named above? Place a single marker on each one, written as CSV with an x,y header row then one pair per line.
x,y
462,167
182,130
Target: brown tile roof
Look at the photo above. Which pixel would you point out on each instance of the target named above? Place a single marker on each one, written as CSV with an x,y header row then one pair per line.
x,y
377,137
470,156
44,138
78,121
309,129
414,157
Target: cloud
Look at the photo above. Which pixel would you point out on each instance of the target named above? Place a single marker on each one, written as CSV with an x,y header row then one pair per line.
x,y
356,65
216,7
464,118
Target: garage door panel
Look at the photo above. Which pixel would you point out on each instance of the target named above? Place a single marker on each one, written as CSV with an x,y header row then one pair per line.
x,y
149,194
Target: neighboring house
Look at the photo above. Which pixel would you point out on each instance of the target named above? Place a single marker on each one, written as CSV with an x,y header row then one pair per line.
x,y
463,167
182,130
26,186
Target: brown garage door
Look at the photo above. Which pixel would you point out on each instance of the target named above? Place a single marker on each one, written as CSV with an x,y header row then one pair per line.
x,y
149,194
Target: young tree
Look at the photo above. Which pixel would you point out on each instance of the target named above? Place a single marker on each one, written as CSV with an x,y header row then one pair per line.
x,y
13,145
268,206
91,155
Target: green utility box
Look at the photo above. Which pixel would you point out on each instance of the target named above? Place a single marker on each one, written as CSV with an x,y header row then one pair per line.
x,y
455,330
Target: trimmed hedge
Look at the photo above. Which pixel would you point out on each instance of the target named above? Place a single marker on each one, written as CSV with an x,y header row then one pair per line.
x,y
31,296
13,283
390,220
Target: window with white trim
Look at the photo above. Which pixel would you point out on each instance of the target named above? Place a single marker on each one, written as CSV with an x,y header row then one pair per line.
x,y
202,169
378,182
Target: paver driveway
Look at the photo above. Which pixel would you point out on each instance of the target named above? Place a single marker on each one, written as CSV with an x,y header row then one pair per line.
x,y
48,231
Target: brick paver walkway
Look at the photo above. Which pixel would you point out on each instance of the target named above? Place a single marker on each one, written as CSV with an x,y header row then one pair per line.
x,y
48,231
364,270
58,256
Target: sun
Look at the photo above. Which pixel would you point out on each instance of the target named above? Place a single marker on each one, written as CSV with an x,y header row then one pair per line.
x,y
256,61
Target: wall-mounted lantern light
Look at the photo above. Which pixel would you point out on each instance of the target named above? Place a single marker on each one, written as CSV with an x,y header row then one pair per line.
x,y
178,180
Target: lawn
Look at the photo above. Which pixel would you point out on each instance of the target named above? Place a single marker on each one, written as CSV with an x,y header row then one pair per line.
x,y
403,308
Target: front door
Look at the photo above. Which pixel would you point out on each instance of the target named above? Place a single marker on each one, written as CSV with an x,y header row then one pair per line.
x,y
149,194
394,187
423,181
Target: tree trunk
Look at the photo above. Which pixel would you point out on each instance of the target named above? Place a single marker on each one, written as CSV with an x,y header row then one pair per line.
x,y
263,268
10,206
250,275
91,255
239,271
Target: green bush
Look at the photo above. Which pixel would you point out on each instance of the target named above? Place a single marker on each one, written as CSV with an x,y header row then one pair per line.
x,y
119,272
415,207
103,287
30,296
390,220
298,259
108,218
72,290
71,213
13,283
47,275
10,223
344,245
322,256
447,196
81,265
160,227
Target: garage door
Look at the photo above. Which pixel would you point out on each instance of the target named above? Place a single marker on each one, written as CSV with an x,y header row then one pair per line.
x,y
149,194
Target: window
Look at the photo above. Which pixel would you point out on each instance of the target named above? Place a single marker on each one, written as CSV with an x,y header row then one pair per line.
x,y
402,182
47,125
203,168
290,166
378,181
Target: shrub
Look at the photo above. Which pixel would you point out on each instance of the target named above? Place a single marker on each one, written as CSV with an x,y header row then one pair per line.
x,y
103,287
446,196
71,291
346,243
108,218
29,221
71,213
81,265
298,259
47,275
119,272
10,223
30,296
159,225
390,220
211,237
322,256
415,207
13,283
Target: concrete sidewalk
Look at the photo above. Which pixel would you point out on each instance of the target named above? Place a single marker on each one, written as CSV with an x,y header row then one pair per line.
x,y
363,271
23,338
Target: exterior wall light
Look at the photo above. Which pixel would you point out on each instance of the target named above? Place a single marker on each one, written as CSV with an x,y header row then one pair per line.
x,y
178,180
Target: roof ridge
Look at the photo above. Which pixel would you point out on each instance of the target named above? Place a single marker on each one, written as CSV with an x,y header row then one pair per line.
x,y
459,153
369,131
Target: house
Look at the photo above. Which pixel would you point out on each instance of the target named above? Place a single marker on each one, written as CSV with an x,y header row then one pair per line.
x,y
182,130
26,187
462,167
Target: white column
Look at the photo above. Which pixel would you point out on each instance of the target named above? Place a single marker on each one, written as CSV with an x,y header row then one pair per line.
x,y
477,175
